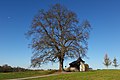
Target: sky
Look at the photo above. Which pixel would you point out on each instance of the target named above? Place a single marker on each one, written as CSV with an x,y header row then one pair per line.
x,y
16,17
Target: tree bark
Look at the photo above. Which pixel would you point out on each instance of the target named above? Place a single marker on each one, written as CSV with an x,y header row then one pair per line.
x,y
61,65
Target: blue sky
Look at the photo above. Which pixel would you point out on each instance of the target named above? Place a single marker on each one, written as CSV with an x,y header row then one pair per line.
x,y
16,17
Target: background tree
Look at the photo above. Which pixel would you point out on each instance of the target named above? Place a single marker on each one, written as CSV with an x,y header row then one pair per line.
x,y
107,61
57,35
115,64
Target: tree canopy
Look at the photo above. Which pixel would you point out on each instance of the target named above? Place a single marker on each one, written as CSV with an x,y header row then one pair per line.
x,y
56,35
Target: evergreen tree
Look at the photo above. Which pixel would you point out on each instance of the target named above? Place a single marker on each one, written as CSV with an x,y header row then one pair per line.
x,y
107,61
115,64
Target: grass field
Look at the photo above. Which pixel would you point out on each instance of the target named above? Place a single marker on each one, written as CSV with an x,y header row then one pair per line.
x,y
91,75
12,75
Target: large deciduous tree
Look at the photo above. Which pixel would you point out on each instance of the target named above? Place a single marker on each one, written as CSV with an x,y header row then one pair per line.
x,y
56,35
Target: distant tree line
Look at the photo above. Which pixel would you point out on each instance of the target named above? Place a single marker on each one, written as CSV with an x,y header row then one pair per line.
x,y
107,62
7,68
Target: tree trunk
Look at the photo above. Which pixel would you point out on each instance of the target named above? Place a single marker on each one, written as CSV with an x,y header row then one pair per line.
x,y
61,65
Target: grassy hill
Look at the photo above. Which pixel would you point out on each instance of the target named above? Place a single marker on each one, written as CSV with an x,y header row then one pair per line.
x,y
91,75
13,75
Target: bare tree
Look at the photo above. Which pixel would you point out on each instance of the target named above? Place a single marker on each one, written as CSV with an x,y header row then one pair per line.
x,y
115,64
107,61
57,35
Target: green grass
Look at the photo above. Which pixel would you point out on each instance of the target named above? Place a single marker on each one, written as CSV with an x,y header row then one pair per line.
x,y
91,75
12,75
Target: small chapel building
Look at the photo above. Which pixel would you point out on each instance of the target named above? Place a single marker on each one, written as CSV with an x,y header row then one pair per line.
x,y
78,65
